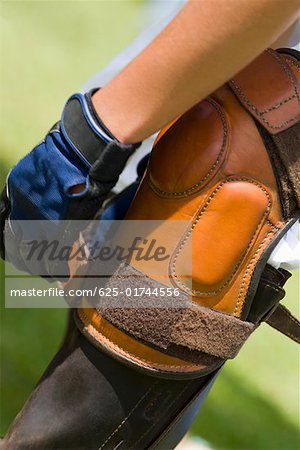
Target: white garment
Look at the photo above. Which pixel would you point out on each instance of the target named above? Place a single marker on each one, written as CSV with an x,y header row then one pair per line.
x,y
287,252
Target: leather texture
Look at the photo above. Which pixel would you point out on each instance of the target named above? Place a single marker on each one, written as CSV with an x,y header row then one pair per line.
x,y
211,168
87,400
82,384
274,105
282,320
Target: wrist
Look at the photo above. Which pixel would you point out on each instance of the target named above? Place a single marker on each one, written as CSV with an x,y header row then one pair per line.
x,y
116,117
85,132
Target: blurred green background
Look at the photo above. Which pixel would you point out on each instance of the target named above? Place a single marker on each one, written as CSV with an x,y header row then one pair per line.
x,y
48,50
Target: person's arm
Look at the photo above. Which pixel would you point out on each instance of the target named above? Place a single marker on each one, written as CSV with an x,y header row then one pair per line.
x,y
207,43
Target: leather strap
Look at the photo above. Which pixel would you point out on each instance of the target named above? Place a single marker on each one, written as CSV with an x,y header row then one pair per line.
x,y
271,95
284,322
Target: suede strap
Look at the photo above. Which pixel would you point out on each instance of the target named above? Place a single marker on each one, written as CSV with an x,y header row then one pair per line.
x,y
182,323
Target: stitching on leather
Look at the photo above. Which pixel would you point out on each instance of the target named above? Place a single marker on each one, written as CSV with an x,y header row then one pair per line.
x,y
127,354
154,423
257,112
187,235
288,313
273,225
255,109
274,288
277,105
292,61
291,335
252,263
250,267
287,70
127,417
193,188
173,423
286,332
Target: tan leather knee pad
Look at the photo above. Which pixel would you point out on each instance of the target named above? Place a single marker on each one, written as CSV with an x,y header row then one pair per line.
x,y
230,167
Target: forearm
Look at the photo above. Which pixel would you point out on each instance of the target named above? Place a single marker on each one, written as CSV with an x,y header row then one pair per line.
x,y
206,44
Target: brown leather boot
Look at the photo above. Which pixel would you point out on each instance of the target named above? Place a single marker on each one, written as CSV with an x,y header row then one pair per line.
x,y
219,163
230,168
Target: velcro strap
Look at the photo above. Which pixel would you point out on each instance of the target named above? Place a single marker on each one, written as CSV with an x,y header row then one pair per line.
x,y
269,90
282,320
81,130
194,327
88,136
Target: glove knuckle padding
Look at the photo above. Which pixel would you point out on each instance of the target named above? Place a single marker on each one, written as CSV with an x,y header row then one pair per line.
x,y
231,166
54,173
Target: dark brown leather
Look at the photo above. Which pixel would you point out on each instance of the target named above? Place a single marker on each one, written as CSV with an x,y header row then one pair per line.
x,y
282,320
212,168
88,401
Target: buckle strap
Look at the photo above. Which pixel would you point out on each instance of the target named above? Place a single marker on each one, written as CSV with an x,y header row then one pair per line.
x,y
283,321
276,106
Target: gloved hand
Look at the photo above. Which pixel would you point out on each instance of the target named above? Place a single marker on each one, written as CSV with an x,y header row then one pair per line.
x,y
65,178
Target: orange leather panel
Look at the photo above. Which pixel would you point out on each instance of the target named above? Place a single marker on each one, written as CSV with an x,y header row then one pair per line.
x,y
216,234
204,130
245,158
211,168
132,349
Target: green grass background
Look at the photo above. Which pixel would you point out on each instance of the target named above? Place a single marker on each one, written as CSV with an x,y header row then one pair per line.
x,y
48,49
